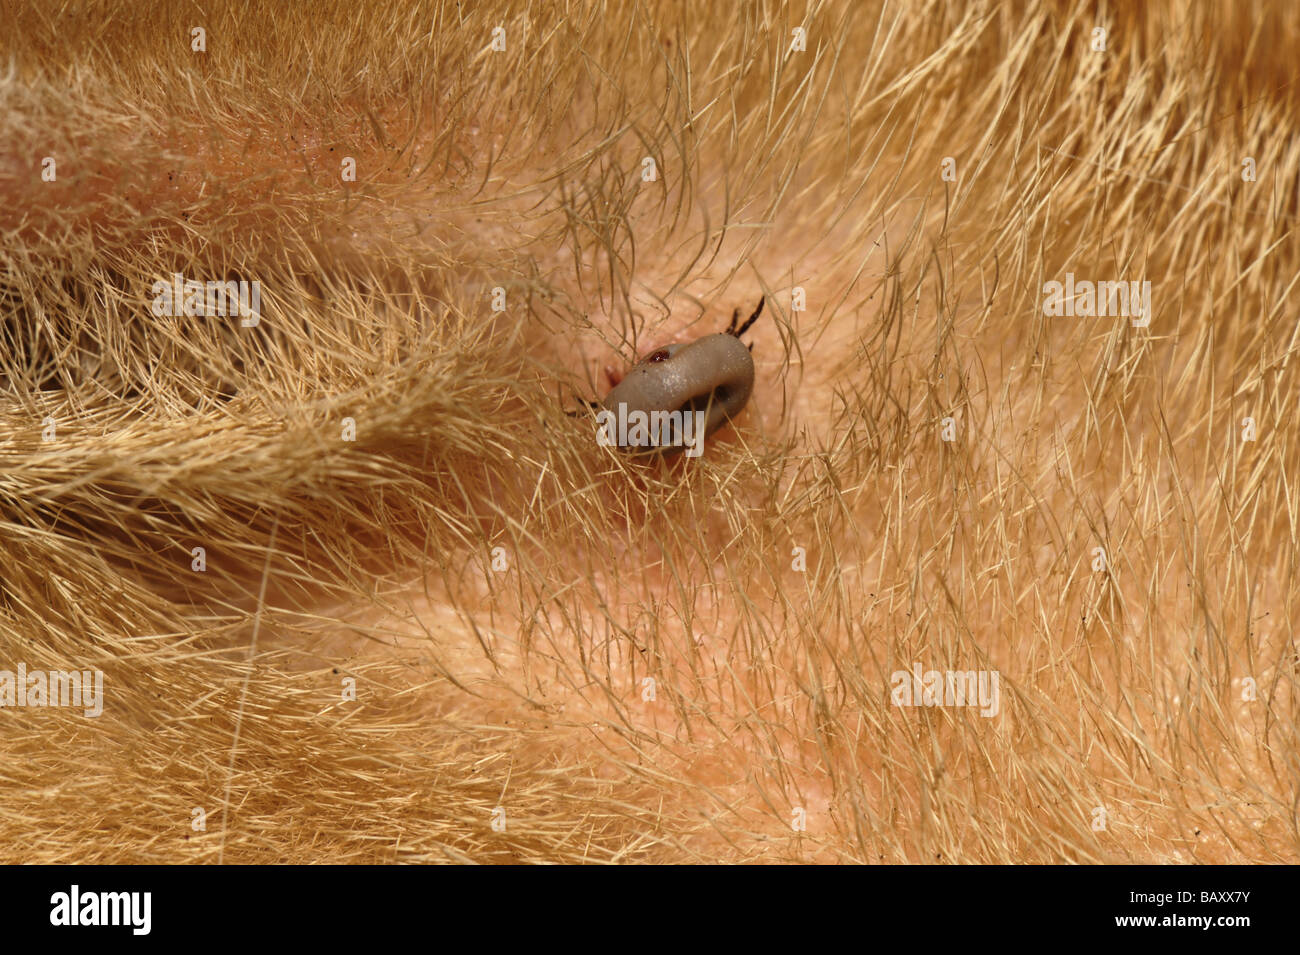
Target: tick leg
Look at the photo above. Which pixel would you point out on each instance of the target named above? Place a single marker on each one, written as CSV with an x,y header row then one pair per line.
x,y
583,401
732,330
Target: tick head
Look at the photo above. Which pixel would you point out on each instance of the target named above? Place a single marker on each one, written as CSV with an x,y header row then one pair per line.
x,y
662,353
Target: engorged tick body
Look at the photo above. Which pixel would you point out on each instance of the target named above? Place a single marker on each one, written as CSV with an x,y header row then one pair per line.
x,y
712,376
